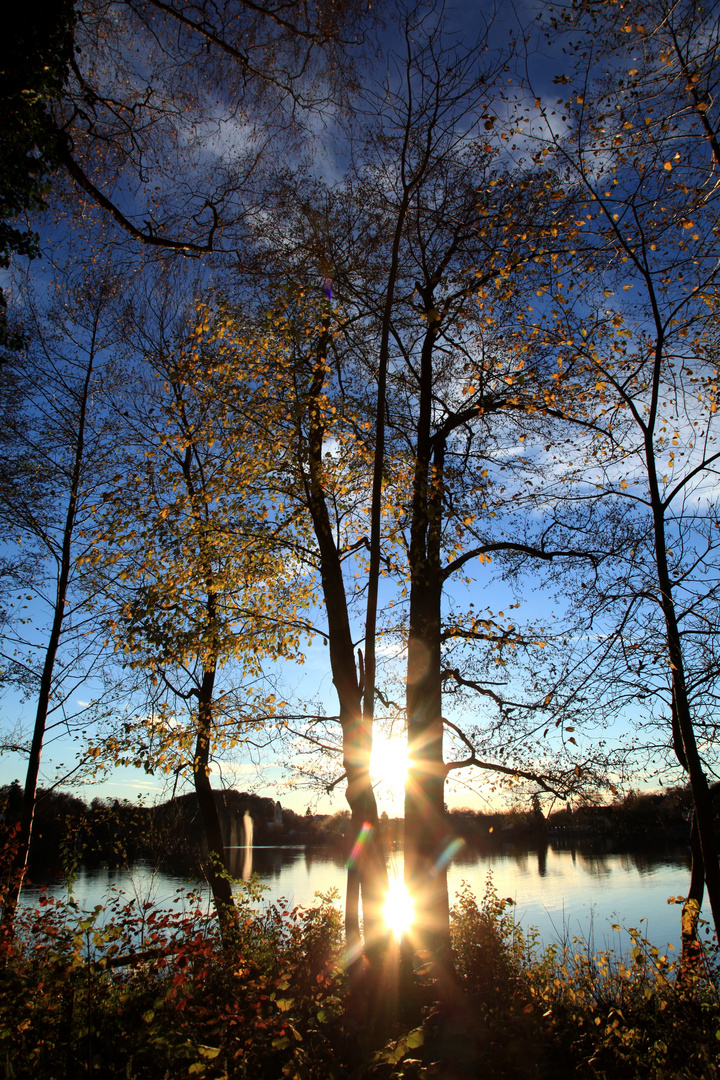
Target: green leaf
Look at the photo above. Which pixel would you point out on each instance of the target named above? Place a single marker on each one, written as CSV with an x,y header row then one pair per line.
x,y
415,1038
209,1052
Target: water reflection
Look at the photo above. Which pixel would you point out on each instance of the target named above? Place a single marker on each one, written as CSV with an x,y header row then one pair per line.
x,y
521,859
267,862
558,888
596,865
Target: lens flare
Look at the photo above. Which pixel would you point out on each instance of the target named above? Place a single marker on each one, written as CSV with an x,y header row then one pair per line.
x,y
359,845
449,852
399,909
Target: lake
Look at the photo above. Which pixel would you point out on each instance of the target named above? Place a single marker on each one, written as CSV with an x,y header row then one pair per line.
x,y
564,891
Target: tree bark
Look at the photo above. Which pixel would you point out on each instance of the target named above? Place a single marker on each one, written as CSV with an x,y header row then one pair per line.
x,y
216,865
691,948
702,803
691,945
426,831
367,861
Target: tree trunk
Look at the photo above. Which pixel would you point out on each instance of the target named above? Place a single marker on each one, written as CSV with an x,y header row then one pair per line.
x,y
426,831
367,863
702,803
22,851
691,945
216,866
691,948
367,858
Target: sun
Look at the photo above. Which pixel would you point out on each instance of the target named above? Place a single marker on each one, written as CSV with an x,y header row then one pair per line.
x,y
399,909
388,769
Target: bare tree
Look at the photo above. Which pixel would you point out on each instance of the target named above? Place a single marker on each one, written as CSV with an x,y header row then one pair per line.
x,y
172,110
632,322
59,448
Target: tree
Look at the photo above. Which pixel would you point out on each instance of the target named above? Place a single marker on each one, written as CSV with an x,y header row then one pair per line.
x,y
200,589
119,143
59,446
460,228
283,379
404,364
378,328
35,56
172,110
641,371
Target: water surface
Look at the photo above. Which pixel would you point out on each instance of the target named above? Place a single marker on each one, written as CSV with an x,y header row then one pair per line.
x,y
564,892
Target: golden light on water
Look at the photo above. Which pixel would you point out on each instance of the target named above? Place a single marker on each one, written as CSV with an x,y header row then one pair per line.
x,y
398,910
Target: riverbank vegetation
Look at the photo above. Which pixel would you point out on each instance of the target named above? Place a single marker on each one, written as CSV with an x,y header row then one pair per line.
x,y
130,991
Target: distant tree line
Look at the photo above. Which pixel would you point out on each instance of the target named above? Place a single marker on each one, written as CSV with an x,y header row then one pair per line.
x,y
647,816
117,832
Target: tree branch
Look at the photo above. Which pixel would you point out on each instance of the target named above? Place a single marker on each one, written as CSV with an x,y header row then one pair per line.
x,y
492,766
189,247
526,549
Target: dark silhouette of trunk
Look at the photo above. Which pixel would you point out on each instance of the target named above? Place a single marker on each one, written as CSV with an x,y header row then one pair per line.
x,y
642,386
426,827
367,870
702,845
216,866
426,830
682,716
356,686
65,560
691,946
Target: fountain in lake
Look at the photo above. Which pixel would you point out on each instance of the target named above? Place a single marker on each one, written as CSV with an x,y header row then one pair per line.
x,y
248,845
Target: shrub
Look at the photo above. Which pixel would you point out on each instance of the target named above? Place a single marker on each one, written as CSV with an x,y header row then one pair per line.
x,y
627,1014
131,991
